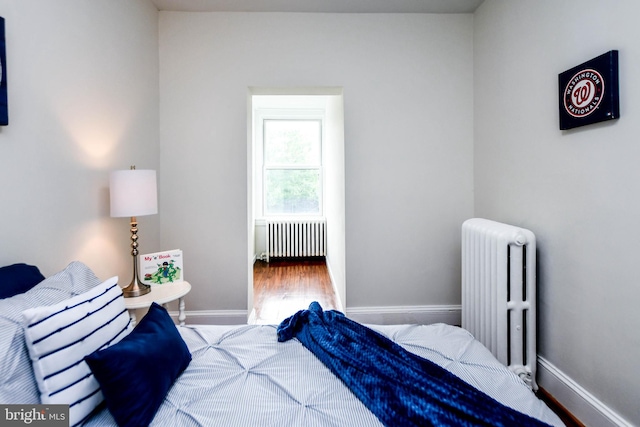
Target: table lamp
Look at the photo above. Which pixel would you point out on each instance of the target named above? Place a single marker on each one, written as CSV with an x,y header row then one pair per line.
x,y
133,193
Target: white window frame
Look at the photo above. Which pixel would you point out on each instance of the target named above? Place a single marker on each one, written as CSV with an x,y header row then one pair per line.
x,y
262,114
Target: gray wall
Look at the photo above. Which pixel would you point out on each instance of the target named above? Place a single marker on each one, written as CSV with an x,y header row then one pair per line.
x,y
84,93
577,190
408,86
83,100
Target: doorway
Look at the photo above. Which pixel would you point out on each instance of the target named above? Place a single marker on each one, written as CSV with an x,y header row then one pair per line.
x,y
298,103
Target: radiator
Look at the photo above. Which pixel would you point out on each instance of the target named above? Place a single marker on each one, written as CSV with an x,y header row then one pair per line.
x,y
499,292
296,238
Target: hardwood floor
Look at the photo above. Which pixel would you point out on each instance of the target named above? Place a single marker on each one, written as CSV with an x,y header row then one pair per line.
x,y
282,287
567,418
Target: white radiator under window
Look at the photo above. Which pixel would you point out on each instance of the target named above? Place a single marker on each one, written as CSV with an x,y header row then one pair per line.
x,y
296,238
499,292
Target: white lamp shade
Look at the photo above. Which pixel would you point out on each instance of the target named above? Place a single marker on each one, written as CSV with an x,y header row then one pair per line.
x,y
133,193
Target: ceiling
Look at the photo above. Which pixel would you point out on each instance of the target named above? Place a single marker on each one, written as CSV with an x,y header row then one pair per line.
x,y
321,6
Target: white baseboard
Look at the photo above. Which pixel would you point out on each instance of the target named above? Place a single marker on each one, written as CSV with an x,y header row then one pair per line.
x,y
582,404
214,317
421,314
425,315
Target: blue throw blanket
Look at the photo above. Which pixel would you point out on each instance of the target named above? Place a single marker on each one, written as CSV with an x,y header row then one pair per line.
x,y
399,387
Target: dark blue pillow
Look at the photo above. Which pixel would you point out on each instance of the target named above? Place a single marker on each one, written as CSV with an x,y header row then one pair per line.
x,y
18,278
136,373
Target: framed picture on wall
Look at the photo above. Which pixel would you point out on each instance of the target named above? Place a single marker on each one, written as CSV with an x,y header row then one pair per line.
x,y
588,93
4,108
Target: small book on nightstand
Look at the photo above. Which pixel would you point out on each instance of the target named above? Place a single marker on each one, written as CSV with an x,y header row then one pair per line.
x,y
161,267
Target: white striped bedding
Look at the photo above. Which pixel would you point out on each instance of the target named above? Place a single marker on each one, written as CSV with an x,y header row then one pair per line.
x,y
241,376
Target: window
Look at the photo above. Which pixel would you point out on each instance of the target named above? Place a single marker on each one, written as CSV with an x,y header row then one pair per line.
x,y
292,166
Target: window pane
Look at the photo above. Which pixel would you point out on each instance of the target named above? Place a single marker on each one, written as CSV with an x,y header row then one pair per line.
x,y
292,191
292,142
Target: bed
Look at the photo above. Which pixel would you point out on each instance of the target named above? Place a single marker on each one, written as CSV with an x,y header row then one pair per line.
x,y
206,375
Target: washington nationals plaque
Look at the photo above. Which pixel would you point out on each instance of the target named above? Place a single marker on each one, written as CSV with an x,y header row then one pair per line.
x,y
589,92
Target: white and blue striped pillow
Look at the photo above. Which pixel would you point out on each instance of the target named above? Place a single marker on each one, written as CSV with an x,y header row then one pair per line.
x,y
60,336
17,383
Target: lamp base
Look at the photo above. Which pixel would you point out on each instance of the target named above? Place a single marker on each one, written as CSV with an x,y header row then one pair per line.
x,y
136,289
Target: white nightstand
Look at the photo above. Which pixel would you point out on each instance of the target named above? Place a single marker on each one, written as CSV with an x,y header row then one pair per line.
x,y
160,294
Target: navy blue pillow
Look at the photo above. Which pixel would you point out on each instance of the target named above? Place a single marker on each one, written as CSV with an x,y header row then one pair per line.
x,y
136,373
18,278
